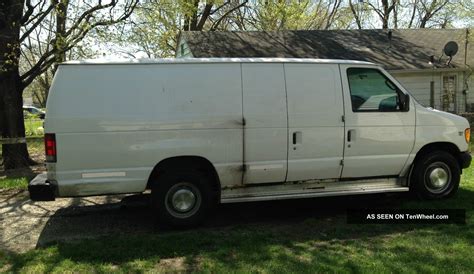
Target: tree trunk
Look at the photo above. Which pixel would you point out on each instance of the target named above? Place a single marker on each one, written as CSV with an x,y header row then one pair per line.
x,y
356,15
395,15
61,16
13,126
386,14
11,101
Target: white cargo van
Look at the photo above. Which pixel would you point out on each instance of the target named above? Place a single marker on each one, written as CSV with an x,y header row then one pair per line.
x,y
198,132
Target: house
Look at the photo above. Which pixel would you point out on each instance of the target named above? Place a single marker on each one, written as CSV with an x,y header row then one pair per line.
x,y
414,56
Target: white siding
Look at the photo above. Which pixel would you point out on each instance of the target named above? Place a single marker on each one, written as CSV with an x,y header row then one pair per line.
x,y
460,96
470,91
418,84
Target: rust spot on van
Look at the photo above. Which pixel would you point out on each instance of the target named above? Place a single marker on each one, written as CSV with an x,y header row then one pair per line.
x,y
230,176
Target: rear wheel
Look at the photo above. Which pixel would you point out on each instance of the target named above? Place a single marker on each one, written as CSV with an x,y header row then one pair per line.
x,y
182,198
435,175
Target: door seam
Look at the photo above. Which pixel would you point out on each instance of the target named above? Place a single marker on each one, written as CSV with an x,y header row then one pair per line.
x,y
287,125
344,122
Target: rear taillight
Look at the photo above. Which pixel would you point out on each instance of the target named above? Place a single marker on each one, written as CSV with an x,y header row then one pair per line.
x,y
50,147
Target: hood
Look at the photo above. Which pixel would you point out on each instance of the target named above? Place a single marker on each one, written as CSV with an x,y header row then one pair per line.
x,y
433,117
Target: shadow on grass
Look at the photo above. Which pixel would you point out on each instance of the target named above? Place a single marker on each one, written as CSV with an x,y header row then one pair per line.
x,y
294,235
27,173
35,146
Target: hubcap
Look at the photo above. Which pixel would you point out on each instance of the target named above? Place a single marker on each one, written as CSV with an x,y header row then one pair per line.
x,y
183,200
437,177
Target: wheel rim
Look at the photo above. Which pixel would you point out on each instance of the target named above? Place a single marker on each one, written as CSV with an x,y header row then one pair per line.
x,y
437,177
183,200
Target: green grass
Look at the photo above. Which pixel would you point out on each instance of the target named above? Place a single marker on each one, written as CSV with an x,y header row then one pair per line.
x,y
325,244
19,180
14,183
34,127
35,145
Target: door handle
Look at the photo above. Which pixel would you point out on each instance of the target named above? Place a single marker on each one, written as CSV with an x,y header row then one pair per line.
x,y
297,137
350,135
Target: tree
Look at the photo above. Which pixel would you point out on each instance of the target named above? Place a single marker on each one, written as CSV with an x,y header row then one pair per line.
x,y
410,13
38,43
383,9
18,19
427,9
435,13
153,29
294,15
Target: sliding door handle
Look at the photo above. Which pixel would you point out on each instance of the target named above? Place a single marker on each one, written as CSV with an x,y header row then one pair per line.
x,y
350,135
297,137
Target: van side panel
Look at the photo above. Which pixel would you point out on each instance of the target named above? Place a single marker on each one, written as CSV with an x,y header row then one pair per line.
x,y
316,128
114,123
266,132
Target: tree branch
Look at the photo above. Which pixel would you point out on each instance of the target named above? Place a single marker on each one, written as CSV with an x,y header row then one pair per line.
x,y
217,23
37,23
356,16
29,11
73,36
379,13
332,14
88,13
413,14
205,14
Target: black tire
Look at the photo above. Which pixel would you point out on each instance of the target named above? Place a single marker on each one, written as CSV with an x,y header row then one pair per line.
x,y
172,186
435,175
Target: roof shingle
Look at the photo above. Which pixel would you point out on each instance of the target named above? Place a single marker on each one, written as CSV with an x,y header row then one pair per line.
x,y
407,49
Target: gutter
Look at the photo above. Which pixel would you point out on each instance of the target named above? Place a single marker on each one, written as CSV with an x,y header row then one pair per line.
x,y
428,70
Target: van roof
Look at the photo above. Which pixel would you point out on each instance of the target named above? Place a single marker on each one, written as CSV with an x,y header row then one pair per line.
x,y
211,60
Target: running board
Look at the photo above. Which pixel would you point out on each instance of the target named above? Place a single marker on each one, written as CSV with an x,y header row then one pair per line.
x,y
311,190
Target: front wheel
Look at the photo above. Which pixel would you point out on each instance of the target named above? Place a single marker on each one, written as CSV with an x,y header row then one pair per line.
x,y
435,175
182,198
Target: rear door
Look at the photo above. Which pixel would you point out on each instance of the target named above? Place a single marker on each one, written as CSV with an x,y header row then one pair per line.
x,y
379,133
265,132
315,124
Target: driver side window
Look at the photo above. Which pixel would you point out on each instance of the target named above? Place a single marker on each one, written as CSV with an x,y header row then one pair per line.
x,y
372,91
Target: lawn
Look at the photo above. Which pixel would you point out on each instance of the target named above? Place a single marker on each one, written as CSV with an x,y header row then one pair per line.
x,y
34,137
13,183
308,245
34,127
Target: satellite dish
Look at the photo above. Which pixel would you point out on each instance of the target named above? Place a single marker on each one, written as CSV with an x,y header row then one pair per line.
x,y
451,48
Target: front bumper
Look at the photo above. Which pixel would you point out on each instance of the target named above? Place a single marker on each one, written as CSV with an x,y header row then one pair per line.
x,y
465,159
41,189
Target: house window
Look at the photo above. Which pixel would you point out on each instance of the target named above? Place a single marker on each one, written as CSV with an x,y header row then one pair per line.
x,y
372,91
448,96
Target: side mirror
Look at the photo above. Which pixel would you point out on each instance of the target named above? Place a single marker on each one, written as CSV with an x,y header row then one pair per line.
x,y
404,101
